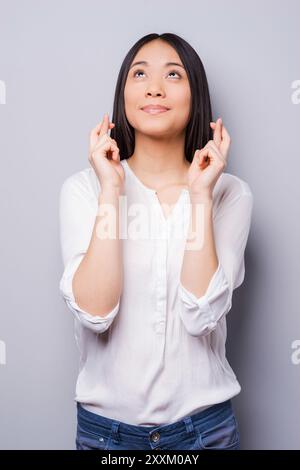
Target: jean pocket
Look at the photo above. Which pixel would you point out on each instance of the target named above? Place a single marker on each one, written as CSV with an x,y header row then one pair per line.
x,y
88,440
224,435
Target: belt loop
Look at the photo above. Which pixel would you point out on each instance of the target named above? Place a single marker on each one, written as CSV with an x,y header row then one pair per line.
x,y
115,430
188,424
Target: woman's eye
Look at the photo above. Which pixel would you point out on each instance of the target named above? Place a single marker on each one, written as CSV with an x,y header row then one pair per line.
x,y
138,71
141,71
176,73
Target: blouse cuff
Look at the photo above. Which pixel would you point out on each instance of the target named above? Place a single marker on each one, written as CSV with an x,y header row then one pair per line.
x,y
93,322
201,314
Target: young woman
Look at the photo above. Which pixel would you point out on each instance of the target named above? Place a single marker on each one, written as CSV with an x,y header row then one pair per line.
x,y
153,235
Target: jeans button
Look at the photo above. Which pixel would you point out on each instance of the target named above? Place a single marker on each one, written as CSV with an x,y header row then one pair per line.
x,y
155,436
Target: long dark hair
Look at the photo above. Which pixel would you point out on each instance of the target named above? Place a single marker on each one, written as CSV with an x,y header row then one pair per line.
x,y
198,130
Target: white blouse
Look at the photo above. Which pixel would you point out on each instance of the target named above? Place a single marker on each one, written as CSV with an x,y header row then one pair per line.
x,y
159,355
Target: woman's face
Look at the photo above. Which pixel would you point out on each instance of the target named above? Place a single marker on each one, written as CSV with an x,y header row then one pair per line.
x,y
161,84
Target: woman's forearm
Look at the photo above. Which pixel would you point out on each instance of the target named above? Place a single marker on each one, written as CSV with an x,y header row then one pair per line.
x,y
200,262
97,283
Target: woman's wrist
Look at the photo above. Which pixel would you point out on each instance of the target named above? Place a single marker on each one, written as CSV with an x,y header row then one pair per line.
x,y
201,197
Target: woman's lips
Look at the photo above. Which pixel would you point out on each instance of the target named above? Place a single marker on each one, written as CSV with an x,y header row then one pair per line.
x,y
155,110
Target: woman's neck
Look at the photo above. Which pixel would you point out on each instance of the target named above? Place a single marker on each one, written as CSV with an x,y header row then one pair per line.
x,y
157,178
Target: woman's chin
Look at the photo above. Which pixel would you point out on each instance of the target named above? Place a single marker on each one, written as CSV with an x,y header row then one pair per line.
x,y
155,129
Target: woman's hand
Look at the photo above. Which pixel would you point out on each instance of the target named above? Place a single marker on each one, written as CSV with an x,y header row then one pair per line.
x,y
104,156
209,162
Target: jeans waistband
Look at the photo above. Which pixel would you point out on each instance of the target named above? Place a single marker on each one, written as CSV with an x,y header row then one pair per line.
x,y
202,420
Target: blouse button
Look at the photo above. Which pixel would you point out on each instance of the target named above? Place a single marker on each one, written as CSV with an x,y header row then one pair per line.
x,y
160,326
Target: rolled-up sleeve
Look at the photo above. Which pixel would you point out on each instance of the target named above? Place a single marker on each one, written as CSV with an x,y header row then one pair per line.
x,y
232,223
77,212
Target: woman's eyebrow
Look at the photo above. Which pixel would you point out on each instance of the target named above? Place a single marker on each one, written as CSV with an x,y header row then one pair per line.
x,y
143,62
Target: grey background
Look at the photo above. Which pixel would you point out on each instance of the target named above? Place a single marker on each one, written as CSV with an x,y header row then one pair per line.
x,y
59,61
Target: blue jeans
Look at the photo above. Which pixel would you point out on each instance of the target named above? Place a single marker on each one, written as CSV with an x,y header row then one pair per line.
x,y
213,428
